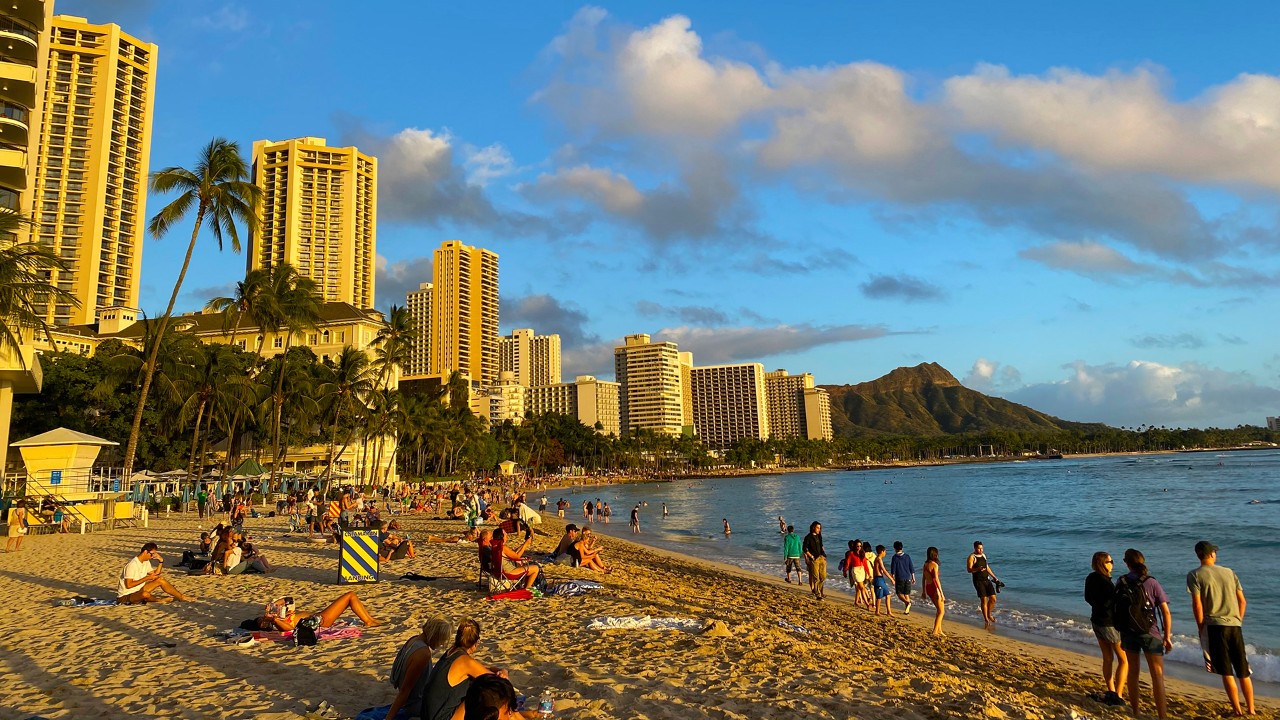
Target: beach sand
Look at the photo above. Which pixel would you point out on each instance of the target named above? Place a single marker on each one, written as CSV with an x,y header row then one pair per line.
x,y
163,661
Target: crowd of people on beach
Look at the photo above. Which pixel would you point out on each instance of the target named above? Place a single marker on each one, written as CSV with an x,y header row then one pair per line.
x,y
1129,616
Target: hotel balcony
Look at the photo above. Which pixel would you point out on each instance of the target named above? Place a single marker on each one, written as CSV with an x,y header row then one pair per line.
x,y
13,124
13,168
31,12
19,41
17,83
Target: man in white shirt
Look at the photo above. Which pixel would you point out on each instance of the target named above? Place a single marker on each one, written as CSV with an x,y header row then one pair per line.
x,y
140,579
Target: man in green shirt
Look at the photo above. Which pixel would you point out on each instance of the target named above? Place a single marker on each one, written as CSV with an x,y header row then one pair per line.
x,y
1217,600
791,552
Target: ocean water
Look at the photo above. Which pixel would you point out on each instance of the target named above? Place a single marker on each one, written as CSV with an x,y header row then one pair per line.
x,y
1040,522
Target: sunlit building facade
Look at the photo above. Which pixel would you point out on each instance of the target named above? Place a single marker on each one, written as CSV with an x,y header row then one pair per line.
x,y
797,408
418,303
729,404
319,214
534,360
652,393
464,312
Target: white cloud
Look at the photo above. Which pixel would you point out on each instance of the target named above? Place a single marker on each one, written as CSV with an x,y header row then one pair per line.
x,y
748,344
1127,122
486,164
1146,392
989,376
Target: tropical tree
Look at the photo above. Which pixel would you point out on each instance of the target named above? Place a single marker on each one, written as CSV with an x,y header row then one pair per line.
x,y
348,382
291,304
26,285
220,192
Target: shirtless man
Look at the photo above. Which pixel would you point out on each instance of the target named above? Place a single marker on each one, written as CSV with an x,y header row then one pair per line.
x,y
140,579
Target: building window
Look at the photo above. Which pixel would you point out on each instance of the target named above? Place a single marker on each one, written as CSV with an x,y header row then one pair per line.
x,y
313,339
278,342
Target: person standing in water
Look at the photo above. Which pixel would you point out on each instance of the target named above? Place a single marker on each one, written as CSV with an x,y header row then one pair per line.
x,y
727,530
782,526
984,582
635,519
933,589
664,510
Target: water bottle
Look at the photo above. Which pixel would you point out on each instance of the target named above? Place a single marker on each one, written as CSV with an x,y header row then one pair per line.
x,y
546,704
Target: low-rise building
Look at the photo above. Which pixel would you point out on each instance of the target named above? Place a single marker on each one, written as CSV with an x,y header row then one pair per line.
x,y
593,402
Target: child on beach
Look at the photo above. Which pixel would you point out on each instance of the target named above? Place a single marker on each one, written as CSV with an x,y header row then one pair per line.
x,y
881,582
790,552
904,575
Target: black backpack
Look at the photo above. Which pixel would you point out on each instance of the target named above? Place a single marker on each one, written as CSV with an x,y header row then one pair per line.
x,y
1134,612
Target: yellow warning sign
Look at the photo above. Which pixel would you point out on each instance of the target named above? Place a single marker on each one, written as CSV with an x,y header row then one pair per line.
x,y
358,562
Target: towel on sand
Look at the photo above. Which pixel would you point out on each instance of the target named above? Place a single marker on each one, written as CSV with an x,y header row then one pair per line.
x,y
637,622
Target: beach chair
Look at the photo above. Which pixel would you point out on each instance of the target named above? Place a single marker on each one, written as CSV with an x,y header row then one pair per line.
x,y
483,551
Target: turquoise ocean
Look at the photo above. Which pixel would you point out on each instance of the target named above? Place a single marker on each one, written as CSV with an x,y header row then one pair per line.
x,y
1041,521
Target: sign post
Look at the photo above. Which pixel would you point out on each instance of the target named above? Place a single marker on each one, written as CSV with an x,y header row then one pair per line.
x,y
358,561
55,477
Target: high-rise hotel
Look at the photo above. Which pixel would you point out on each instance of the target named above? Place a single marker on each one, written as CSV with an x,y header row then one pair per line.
x,y
652,392
797,408
459,310
729,404
25,30
89,195
533,360
319,214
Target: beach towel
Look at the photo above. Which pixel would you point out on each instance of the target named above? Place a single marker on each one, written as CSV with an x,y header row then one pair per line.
x,y
640,622
83,602
793,627
522,594
572,587
418,578
379,713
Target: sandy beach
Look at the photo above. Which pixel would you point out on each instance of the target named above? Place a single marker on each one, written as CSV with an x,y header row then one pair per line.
x,y
164,661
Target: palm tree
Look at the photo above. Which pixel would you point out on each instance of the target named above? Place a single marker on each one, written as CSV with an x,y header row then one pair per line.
x,y
220,191
349,382
394,343
292,306
242,303
25,283
213,387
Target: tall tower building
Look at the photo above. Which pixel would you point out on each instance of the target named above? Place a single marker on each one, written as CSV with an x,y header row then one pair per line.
x,y
22,69
92,162
464,312
797,408
319,214
729,403
652,390
534,360
418,303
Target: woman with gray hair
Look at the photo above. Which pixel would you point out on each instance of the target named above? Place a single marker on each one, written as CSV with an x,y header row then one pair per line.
x,y
412,666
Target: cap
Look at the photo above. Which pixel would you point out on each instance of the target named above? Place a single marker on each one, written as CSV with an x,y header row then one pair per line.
x,y
1204,548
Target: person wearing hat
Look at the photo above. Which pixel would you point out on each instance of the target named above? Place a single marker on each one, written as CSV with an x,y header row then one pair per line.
x,y
141,577
1218,603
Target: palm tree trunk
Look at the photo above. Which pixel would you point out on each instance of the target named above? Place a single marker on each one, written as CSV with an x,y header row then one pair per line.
x,y
278,400
195,438
204,442
149,370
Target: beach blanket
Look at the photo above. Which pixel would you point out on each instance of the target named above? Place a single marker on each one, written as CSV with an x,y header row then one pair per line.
x,y
329,633
572,587
639,622
523,594
793,627
83,602
380,713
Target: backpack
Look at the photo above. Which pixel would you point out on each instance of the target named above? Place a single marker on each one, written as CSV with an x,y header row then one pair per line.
x,y
1134,612
304,633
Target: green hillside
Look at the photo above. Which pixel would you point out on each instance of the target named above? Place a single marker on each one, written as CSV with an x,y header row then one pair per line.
x,y
928,400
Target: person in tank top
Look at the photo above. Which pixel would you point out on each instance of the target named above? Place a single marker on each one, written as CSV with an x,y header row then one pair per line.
x,y
452,674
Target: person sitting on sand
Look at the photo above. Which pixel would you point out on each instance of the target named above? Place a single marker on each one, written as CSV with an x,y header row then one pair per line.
x,y
452,676
563,554
285,621
141,577
411,669
491,697
511,562
241,557
394,547
587,553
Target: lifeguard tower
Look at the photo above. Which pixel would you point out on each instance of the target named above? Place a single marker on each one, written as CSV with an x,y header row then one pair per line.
x,y
59,466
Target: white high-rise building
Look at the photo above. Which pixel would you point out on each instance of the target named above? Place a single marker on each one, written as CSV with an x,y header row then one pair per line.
x,y
593,402
418,303
652,387
797,408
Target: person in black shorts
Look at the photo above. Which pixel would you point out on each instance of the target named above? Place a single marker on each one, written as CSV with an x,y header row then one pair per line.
x,y
1218,603
984,581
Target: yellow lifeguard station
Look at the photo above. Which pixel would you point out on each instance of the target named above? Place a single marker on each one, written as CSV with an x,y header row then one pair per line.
x,y
507,468
59,465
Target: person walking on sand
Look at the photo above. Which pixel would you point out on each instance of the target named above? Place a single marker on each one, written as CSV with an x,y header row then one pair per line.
x,y
1217,601
17,526
816,560
904,575
791,553
933,588
1099,592
984,582
1146,628
880,584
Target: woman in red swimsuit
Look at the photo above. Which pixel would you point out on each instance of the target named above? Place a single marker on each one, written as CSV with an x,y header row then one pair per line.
x,y
933,589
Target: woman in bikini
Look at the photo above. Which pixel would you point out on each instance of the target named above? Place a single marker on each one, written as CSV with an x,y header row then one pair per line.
x,y
933,589
587,554
281,616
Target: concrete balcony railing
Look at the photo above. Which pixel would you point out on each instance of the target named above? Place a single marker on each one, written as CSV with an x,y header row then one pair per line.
x,y
17,83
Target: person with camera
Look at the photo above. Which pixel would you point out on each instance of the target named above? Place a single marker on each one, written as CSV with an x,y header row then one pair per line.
x,y
985,583
141,577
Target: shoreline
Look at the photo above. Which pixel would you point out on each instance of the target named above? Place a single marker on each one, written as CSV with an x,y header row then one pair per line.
x,y
163,660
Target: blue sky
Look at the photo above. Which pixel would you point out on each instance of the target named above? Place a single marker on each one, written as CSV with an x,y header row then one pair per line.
x,y
1072,206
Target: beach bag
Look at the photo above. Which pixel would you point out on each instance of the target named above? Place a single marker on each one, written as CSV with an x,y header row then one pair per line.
x,y
305,631
1134,612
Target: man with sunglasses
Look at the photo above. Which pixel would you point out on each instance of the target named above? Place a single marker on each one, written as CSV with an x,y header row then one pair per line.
x,y
141,578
